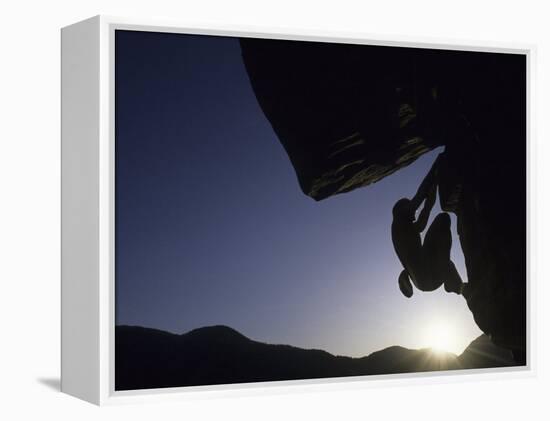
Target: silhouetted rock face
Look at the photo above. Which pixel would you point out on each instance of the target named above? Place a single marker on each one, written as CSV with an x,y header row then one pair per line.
x,y
344,122
149,358
350,115
483,353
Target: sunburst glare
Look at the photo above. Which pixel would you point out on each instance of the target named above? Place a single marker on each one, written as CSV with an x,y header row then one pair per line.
x,y
442,336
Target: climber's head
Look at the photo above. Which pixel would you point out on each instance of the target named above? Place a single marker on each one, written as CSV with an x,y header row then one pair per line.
x,y
403,210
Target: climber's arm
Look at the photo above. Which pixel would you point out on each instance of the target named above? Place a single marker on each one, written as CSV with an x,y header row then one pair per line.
x,y
422,221
426,186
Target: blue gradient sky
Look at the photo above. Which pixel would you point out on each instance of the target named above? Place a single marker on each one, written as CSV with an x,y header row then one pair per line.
x,y
212,227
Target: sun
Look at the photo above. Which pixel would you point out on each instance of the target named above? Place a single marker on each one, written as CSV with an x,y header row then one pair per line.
x,y
441,337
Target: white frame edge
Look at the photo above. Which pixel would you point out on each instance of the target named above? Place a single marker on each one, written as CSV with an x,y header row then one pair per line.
x,y
80,336
88,317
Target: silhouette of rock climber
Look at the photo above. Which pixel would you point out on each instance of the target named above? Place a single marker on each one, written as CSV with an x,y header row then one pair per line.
x,y
427,264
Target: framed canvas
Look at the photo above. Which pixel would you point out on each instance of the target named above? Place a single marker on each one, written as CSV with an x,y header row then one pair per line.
x,y
245,209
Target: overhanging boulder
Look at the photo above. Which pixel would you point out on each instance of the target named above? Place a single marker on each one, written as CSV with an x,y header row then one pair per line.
x,y
347,115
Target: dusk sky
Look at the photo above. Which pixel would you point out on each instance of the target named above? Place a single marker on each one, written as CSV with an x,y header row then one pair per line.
x,y
212,227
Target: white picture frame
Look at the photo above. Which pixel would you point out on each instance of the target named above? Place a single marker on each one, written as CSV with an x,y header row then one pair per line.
x,y
88,213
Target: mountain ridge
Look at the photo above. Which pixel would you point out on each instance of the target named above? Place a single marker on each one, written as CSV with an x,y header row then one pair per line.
x,y
147,358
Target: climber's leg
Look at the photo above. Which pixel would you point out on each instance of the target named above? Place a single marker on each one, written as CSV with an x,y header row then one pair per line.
x,y
436,250
453,281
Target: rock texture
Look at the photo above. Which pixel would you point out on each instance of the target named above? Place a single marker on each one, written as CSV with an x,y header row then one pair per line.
x,y
345,114
351,115
150,358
